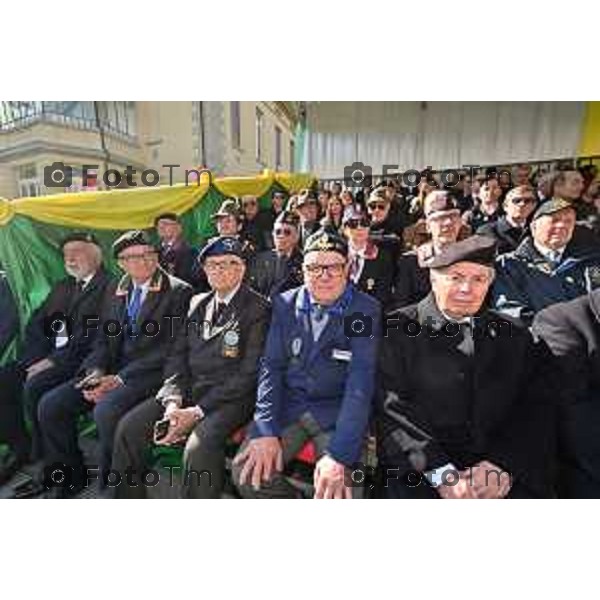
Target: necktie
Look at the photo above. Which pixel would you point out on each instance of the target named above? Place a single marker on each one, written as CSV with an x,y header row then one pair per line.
x,y
219,310
133,308
554,257
467,346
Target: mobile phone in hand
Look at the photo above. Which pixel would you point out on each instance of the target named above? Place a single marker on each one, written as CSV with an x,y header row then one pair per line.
x,y
161,428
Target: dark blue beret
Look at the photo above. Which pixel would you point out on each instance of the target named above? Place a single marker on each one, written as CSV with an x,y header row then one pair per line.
x,y
221,246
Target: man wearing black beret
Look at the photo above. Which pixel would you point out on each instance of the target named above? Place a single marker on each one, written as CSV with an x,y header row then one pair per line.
x,y
53,347
280,269
450,422
138,322
209,381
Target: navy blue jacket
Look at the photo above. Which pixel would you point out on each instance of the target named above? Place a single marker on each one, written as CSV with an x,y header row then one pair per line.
x,y
527,282
333,378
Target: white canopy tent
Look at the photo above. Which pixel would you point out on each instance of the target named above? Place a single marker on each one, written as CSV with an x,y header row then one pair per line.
x,y
414,135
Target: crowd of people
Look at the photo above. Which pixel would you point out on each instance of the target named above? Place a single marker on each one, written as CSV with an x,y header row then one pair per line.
x,y
455,329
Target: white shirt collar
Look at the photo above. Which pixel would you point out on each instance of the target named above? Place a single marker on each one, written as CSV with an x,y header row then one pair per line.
x,y
85,281
548,252
229,297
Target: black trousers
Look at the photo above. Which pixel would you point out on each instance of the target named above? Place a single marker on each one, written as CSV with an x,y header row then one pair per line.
x,y
58,414
203,457
19,397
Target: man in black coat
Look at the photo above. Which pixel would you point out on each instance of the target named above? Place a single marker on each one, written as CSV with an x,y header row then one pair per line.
x,y
54,345
572,330
139,320
280,269
210,380
175,255
466,408
512,227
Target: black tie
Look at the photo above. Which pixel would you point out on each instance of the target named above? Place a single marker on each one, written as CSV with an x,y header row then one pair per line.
x,y
219,310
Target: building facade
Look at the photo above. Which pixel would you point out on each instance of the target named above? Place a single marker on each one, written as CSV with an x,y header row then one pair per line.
x,y
124,144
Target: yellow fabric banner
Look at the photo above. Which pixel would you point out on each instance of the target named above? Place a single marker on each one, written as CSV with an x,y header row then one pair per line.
x,y
590,135
137,208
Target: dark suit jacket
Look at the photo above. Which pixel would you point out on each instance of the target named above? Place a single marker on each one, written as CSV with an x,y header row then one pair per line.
x,y
220,365
270,274
507,236
572,330
67,300
179,261
438,405
167,304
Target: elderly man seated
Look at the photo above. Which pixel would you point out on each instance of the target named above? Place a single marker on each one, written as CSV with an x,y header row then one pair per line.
x,y
557,263
54,346
466,406
316,379
209,380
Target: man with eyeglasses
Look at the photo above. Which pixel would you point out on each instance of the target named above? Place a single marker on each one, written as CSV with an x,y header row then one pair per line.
x,y
511,228
209,383
555,264
372,267
53,347
316,379
229,222
280,269
140,317
449,422
443,223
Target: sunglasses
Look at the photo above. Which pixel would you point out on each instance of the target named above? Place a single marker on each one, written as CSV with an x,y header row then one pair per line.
x,y
249,203
377,206
283,231
356,223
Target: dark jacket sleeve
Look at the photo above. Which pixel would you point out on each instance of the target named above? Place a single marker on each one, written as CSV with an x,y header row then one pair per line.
x,y
404,289
525,443
9,317
242,382
566,341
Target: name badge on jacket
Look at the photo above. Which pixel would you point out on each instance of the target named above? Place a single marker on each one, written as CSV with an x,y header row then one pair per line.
x,y
343,355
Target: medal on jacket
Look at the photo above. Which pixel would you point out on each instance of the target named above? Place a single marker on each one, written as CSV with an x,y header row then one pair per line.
x,y
370,284
231,344
593,273
296,347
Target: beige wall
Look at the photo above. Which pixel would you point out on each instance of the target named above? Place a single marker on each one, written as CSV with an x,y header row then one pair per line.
x,y
244,160
166,133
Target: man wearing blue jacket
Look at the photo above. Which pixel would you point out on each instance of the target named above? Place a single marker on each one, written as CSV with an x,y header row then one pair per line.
x,y
559,262
316,379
